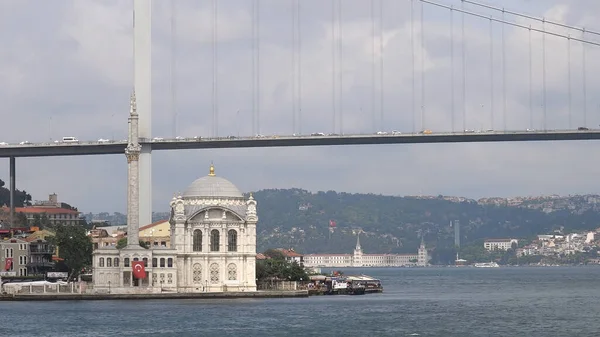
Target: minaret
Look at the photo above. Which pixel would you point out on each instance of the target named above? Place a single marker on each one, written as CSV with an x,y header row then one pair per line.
x,y
422,256
132,152
357,257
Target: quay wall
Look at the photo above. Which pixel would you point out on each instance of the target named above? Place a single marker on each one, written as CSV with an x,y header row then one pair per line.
x,y
90,297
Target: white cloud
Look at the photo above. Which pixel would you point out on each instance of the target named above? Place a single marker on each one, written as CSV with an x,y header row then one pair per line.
x,y
66,70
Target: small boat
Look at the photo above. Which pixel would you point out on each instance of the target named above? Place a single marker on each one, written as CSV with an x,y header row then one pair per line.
x,y
486,265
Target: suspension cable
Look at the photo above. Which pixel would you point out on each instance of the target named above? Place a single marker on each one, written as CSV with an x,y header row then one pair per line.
x,y
530,84
172,69
491,74
299,69
381,82
341,67
253,67
373,64
258,66
510,23
544,76
422,71
504,117
569,81
464,73
214,68
581,29
412,48
293,12
584,79
452,66
333,66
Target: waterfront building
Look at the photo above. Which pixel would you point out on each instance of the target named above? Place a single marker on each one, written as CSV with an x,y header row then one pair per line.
x,y
360,259
14,256
499,244
157,234
49,211
213,239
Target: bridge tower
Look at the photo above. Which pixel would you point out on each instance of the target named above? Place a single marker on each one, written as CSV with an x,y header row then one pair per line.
x,y
142,67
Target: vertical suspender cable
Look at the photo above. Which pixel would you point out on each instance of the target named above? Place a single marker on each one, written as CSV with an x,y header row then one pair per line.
x,y
258,66
381,82
253,67
216,55
293,11
491,74
452,66
214,68
412,48
373,64
172,69
530,82
464,72
341,67
544,72
504,117
299,71
333,67
569,74
422,70
584,77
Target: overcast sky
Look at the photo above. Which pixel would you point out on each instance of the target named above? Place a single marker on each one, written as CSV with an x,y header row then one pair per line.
x,y
66,70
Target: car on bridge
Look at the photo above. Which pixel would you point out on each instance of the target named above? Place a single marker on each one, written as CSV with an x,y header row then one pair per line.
x,y
583,128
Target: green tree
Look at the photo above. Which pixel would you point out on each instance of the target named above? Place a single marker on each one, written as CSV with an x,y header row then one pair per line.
x,y
37,220
74,246
122,243
277,267
44,221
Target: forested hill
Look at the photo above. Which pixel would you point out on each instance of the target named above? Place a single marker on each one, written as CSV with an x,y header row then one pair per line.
x,y
295,218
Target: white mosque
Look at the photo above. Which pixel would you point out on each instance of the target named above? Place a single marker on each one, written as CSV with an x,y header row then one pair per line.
x,y
213,239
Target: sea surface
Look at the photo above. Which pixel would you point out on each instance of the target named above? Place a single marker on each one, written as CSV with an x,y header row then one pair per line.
x,y
550,301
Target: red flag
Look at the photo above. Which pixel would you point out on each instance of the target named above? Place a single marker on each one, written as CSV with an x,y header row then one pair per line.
x,y
331,223
8,263
138,269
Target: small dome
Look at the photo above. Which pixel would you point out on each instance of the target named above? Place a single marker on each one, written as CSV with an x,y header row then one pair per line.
x,y
212,186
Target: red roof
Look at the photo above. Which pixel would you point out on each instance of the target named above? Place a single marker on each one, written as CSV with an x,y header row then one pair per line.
x,y
153,224
261,256
41,210
289,252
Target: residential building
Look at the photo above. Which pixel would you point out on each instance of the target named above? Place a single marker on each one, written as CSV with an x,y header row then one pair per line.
x,y
157,234
499,244
291,255
51,211
14,256
41,253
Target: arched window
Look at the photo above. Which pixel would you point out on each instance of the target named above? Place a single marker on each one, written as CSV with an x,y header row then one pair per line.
x,y
101,262
170,262
145,261
135,259
162,262
214,240
116,262
154,262
197,246
108,262
232,272
126,262
232,240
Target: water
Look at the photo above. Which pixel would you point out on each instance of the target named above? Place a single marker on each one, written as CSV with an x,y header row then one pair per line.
x,y
417,302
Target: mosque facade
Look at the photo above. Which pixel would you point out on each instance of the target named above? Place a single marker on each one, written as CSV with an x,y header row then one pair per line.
x,y
213,239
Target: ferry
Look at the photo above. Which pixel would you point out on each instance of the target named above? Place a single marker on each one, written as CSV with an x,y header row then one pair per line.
x,y
348,285
486,265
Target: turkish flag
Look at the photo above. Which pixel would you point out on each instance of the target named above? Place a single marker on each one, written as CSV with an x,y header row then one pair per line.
x,y
138,269
8,263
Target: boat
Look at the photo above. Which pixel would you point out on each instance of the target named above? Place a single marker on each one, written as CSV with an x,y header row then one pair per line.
x,y
486,265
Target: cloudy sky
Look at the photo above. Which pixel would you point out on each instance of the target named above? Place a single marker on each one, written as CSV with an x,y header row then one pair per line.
x,y
66,70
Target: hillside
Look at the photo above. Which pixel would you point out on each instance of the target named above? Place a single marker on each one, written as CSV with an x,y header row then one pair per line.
x,y
301,219
21,197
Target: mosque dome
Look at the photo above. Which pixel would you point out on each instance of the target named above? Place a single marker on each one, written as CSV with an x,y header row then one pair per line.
x,y
212,186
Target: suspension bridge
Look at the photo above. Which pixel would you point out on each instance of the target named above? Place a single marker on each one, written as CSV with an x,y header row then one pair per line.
x,y
488,74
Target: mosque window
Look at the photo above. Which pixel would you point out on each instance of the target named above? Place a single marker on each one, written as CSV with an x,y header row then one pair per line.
x,y
126,262
214,240
197,273
232,240
162,262
145,261
116,262
169,278
170,262
101,262
108,262
154,262
232,272
197,245
214,273
153,278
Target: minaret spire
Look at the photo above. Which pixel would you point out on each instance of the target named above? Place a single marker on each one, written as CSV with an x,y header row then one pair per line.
x,y
132,152
358,241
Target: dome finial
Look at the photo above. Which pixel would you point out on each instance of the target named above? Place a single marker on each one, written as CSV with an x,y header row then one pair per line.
x,y
212,170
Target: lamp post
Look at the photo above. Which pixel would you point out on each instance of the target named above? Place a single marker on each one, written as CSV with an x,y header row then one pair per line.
x,y
109,287
237,123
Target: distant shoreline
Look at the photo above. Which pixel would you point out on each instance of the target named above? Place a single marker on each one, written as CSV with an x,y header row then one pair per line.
x,y
159,296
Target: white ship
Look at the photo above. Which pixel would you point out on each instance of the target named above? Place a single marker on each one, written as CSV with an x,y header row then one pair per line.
x,y
486,265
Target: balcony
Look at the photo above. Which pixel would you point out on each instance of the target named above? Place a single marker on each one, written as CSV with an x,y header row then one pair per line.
x,y
42,250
